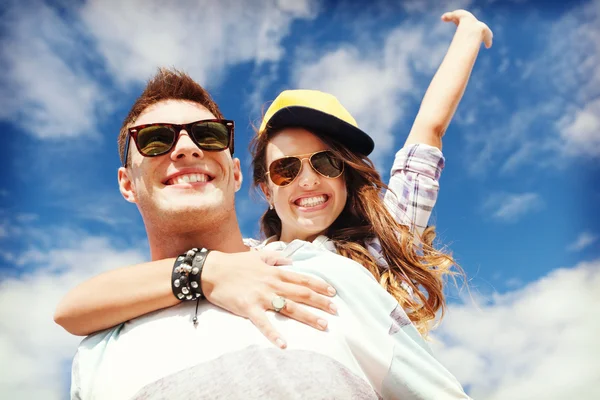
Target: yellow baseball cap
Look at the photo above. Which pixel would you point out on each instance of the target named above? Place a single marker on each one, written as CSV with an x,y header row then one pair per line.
x,y
318,112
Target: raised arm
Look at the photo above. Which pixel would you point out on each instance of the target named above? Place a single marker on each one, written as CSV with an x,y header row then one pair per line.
x,y
448,85
414,178
242,283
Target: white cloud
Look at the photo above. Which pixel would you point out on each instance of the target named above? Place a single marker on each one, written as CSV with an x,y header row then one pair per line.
x,y
553,117
37,348
580,129
262,77
201,37
101,206
58,63
538,342
434,6
513,142
511,207
583,240
44,87
575,70
376,83
26,217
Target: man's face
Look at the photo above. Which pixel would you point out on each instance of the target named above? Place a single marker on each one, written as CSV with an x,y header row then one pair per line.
x,y
187,187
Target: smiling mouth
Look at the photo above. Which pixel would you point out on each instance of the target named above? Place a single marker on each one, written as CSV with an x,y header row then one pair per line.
x,y
308,202
188,178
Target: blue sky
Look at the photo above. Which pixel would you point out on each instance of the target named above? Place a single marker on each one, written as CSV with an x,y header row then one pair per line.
x,y
517,205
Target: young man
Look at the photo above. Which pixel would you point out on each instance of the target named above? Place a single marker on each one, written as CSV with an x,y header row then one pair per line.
x,y
186,198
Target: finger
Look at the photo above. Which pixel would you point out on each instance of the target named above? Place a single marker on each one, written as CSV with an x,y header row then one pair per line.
x,y
488,38
274,258
449,17
487,43
317,285
283,261
259,318
294,311
307,296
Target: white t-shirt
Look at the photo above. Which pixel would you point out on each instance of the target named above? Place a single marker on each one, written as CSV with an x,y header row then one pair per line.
x,y
369,351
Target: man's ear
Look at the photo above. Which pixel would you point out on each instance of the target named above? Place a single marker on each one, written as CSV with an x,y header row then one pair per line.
x,y
237,174
125,185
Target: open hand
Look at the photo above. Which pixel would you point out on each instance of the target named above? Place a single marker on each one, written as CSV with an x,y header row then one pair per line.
x,y
460,17
246,283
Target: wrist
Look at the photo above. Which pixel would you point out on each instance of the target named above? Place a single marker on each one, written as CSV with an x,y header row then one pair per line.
x,y
209,274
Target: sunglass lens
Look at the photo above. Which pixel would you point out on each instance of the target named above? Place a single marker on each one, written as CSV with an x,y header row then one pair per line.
x,y
284,170
155,140
327,164
211,136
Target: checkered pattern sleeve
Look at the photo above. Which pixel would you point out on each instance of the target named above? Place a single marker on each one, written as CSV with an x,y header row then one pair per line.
x,y
414,185
413,190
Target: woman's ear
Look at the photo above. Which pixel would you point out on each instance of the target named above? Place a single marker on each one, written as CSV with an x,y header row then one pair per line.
x,y
266,191
268,195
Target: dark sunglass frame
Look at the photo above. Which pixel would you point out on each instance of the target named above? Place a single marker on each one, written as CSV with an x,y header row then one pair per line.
x,y
133,131
309,158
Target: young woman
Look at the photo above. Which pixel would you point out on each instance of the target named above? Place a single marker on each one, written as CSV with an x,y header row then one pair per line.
x,y
382,235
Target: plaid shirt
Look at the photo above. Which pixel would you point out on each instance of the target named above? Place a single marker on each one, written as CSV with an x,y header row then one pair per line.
x,y
413,191
415,179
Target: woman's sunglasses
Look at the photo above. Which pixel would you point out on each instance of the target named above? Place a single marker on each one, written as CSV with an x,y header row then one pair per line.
x,y
284,171
157,139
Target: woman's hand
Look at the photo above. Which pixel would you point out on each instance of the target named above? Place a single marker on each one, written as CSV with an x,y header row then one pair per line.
x,y
246,283
464,18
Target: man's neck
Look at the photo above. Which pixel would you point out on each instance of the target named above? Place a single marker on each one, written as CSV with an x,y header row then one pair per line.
x,y
225,237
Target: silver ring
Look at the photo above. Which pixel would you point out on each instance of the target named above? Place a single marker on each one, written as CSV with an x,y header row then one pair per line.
x,y
278,303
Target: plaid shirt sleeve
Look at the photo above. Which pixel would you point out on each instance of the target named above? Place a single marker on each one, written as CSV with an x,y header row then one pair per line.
x,y
414,185
413,191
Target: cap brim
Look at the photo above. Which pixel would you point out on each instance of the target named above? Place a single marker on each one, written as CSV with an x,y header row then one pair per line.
x,y
322,123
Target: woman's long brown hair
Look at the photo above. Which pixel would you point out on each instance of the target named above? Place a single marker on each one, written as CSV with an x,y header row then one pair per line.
x,y
365,216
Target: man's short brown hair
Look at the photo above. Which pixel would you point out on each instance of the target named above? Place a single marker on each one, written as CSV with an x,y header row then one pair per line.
x,y
167,84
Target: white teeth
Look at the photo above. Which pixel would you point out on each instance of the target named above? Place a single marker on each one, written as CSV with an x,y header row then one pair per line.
x,y
312,201
188,178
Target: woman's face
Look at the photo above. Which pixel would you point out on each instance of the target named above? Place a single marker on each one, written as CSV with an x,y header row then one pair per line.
x,y
310,204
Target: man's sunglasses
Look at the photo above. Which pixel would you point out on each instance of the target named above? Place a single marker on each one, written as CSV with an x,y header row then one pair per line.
x,y
157,139
284,171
